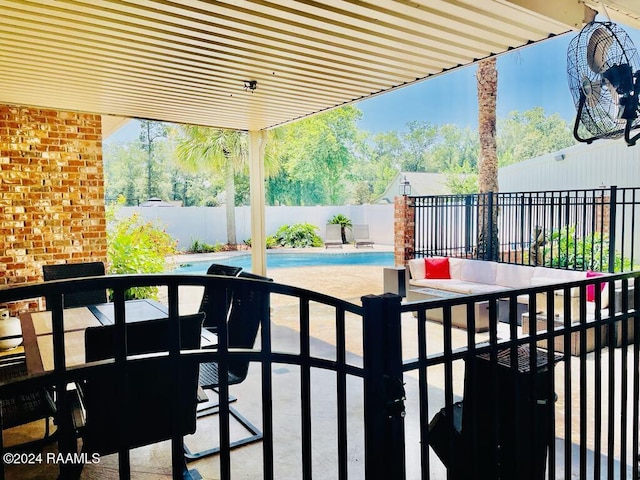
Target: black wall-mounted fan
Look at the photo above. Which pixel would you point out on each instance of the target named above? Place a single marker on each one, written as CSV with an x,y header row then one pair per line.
x,y
604,78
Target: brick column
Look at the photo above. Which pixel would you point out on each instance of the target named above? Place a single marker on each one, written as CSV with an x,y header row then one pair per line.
x,y
51,191
404,230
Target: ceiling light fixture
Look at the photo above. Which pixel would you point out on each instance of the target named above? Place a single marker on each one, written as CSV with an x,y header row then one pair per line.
x,y
250,85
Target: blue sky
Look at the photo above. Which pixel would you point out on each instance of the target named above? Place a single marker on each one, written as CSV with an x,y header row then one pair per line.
x,y
529,77
534,76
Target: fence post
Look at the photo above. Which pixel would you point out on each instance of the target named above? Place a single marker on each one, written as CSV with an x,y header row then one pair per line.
x,y
490,240
613,201
383,388
468,219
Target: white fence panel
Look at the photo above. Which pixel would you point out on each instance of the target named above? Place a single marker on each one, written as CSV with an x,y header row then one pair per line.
x,y
209,224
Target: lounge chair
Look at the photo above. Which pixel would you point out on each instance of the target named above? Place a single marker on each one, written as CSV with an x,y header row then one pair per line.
x,y
333,237
361,236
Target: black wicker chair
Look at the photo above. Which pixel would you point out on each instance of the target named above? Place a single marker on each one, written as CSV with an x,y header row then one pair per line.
x,y
250,306
80,298
149,398
25,408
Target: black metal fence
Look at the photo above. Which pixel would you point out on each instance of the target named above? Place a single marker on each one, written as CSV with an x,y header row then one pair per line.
x,y
576,229
389,393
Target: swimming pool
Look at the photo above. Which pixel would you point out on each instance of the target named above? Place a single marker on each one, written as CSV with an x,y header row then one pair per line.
x,y
289,260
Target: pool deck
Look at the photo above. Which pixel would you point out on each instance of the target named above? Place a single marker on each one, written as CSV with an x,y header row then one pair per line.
x,y
346,282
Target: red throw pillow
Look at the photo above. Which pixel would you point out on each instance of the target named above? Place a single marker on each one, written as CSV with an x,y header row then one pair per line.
x,y
591,289
436,268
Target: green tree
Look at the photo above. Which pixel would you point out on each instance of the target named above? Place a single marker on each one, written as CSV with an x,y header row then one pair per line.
x,y
150,132
317,158
417,143
529,134
380,161
455,147
126,175
224,154
462,179
192,189
218,151
124,172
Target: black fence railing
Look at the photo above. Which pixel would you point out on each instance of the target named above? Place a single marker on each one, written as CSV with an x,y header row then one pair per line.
x,y
381,390
575,229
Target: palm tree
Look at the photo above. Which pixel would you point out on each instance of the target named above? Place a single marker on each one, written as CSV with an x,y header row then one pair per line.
x,y
224,152
219,151
487,80
344,223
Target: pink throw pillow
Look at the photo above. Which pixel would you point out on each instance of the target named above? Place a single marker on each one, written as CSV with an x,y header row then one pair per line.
x,y
591,289
437,267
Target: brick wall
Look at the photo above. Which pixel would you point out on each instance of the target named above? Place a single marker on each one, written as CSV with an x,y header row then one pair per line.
x,y
51,191
404,230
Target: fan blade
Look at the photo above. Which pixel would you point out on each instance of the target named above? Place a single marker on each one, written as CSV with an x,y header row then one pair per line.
x,y
599,42
594,96
591,91
615,108
615,98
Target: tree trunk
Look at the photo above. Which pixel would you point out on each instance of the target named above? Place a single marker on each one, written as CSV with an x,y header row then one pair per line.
x,y
487,80
230,189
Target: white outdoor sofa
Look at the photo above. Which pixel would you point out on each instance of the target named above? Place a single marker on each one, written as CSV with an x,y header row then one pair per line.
x,y
467,276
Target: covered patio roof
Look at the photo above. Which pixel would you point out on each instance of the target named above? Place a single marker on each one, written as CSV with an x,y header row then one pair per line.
x,y
255,64
189,61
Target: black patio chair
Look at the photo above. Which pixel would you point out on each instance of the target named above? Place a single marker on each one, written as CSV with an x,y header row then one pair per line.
x,y
80,298
249,307
149,394
220,300
25,408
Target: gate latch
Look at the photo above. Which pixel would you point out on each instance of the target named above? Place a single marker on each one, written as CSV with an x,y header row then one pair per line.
x,y
396,396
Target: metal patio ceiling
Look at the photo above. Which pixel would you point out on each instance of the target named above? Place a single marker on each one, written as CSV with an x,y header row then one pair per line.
x,y
187,61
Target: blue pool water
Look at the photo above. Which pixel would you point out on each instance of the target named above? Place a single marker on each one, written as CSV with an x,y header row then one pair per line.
x,y
288,260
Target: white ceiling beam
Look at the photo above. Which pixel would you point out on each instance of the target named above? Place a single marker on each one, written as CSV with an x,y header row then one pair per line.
x,y
572,13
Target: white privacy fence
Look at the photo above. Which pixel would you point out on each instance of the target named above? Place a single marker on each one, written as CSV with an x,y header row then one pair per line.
x,y
209,224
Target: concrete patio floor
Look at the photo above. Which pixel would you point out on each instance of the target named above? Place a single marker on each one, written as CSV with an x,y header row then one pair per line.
x,y
347,283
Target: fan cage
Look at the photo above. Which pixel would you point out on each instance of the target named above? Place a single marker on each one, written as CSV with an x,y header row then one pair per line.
x,y
601,110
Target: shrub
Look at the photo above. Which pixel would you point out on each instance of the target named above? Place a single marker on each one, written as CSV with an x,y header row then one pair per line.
x,y
299,235
201,247
565,250
134,247
270,242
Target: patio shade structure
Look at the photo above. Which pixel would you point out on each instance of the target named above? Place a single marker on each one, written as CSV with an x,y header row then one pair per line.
x,y
254,64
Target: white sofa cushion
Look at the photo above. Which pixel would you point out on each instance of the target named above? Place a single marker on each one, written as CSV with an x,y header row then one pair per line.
x,y
457,286
514,276
455,267
546,276
479,271
486,288
417,268
441,284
